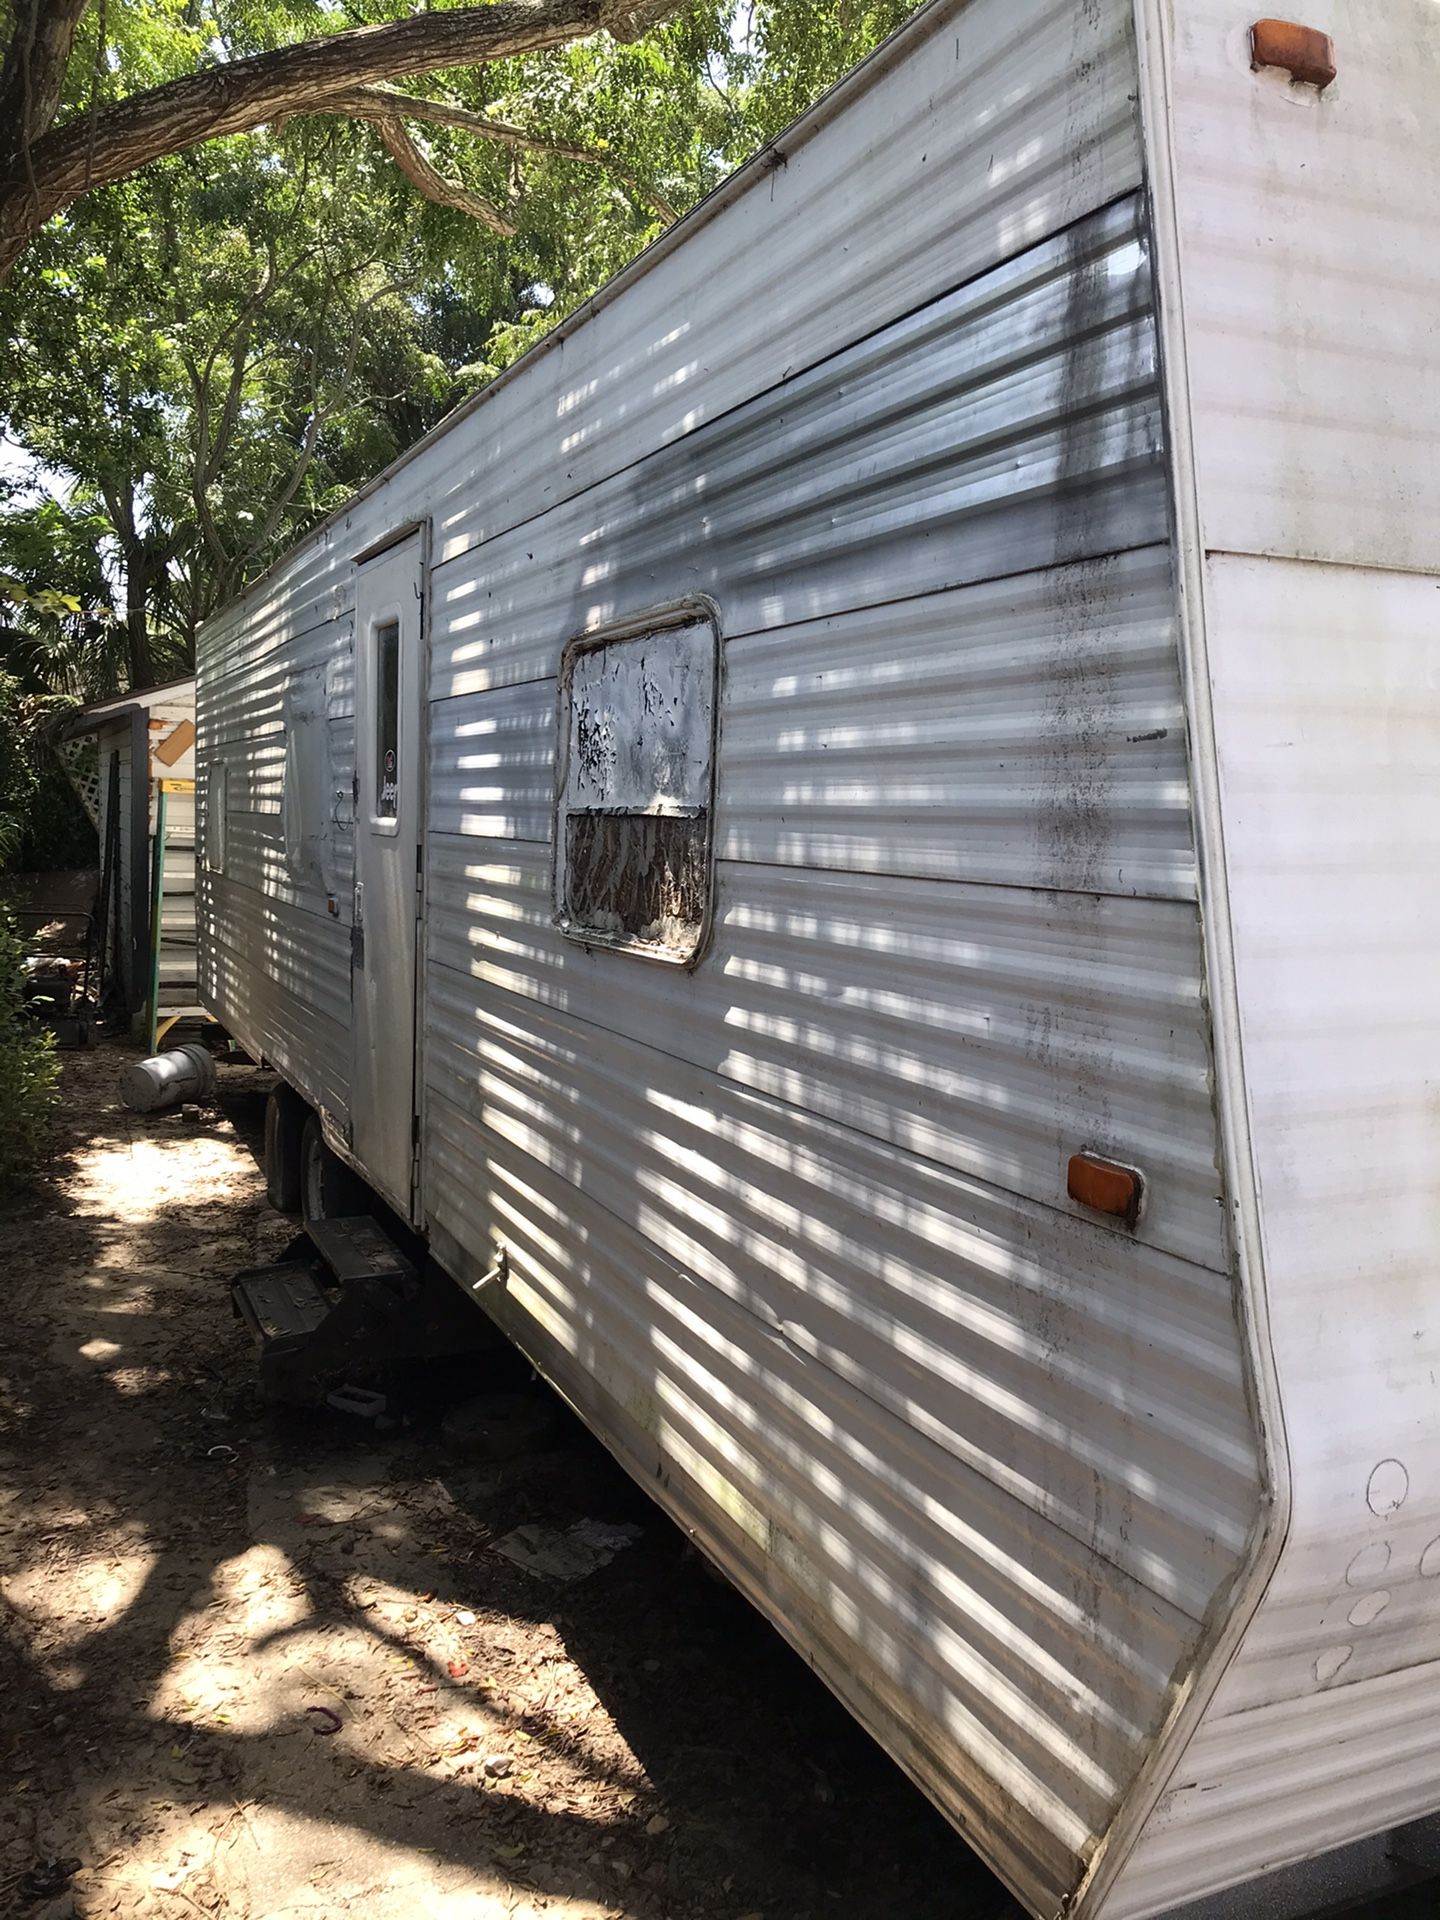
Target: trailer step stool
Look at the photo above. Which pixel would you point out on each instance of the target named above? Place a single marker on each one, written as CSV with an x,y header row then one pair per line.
x,y
345,1303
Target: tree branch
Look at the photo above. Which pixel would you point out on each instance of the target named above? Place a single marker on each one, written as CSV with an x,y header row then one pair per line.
x,y
239,95
433,184
39,176
384,103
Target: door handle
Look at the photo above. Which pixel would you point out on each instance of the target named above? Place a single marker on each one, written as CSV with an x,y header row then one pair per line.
x,y
358,914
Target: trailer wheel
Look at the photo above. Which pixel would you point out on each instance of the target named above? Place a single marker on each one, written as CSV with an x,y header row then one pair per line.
x,y
285,1115
329,1190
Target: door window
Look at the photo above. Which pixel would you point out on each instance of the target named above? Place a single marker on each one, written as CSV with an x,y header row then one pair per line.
x,y
387,719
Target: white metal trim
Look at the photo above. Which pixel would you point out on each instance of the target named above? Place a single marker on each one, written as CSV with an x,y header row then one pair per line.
x,y
420,1096
1234,1609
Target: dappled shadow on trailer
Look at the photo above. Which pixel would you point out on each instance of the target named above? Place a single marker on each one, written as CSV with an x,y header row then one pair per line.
x,y
264,1662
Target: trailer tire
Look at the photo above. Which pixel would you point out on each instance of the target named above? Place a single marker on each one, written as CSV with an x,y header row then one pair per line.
x,y
285,1116
329,1190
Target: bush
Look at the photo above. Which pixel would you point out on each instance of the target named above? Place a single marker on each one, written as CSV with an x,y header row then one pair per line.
x,y
17,772
29,1071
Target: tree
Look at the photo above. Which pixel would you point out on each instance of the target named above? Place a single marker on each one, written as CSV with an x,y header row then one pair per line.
x,y
208,357
48,157
212,352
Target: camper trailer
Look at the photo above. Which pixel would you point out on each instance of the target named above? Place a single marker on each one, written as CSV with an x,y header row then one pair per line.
x,y
853,844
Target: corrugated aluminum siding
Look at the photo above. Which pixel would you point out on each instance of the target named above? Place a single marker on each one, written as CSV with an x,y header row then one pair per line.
x,y
1308,277
1024,121
274,950
791,1229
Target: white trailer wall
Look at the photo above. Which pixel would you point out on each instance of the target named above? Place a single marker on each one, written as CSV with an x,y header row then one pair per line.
x,y
792,1228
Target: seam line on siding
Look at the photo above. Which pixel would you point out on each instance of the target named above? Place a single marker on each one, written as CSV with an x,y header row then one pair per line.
x,y
841,613
943,1167
1186,899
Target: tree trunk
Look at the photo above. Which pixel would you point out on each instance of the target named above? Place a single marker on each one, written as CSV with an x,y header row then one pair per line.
x,y
42,178
137,616
32,75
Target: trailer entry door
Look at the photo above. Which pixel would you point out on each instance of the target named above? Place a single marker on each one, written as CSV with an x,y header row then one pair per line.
x,y
388,600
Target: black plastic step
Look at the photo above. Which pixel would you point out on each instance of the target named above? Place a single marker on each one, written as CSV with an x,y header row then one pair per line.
x,y
358,1248
317,1337
280,1303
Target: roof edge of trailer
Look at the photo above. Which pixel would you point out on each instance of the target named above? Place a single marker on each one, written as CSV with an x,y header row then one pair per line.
x,y
116,704
927,19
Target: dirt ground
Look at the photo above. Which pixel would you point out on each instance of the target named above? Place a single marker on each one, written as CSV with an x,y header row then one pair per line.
x,y
258,1663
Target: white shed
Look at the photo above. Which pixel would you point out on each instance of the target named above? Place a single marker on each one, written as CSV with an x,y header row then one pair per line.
x,y
155,731
855,841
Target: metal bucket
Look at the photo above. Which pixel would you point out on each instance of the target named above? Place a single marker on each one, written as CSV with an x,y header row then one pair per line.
x,y
168,1080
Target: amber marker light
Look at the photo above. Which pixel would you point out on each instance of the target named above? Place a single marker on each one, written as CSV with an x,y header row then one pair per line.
x,y
1105,1187
1306,54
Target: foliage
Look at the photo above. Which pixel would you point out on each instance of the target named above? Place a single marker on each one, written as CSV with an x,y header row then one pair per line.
x,y
783,56
42,822
209,355
29,1071
17,770
60,633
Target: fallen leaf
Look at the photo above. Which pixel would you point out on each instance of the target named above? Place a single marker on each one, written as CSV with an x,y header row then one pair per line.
x,y
657,1825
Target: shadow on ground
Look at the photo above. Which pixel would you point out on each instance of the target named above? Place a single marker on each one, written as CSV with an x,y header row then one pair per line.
x,y
258,1662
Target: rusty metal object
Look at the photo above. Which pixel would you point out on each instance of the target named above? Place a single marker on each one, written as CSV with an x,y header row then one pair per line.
x,y
1305,53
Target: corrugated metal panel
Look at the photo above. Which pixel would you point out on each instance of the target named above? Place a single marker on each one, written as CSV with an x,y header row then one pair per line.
x,y
255,858
280,979
1328,711
1017,119
1269,1782
994,1030
492,763
245,696
1025,731
309,593
1036,94
987,1462
1011,425
1315,414
287,669
956,1308
965,1458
